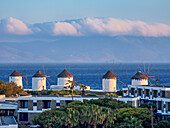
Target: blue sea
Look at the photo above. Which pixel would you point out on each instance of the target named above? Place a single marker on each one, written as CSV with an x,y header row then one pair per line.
x,y
87,73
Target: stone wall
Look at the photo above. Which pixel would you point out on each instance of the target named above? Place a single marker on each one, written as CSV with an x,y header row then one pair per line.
x,y
30,105
39,104
167,94
53,104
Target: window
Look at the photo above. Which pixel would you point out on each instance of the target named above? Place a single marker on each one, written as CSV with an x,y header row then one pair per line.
x,y
168,106
147,92
23,116
159,105
155,93
163,93
24,103
132,91
57,104
34,104
47,104
139,92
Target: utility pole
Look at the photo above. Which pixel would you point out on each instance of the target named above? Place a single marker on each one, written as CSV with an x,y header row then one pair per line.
x,y
151,116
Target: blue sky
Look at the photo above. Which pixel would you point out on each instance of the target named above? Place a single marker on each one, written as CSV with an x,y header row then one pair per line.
x,y
33,11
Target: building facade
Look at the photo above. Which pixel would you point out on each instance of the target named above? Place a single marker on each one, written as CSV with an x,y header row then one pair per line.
x,y
31,106
158,95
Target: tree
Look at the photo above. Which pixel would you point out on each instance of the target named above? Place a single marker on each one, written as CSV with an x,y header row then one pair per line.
x,y
83,87
142,114
163,124
108,102
11,89
109,117
73,84
133,122
72,117
119,93
148,105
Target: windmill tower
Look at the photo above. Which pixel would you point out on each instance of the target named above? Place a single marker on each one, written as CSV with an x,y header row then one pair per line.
x,y
64,77
139,79
38,81
16,77
109,82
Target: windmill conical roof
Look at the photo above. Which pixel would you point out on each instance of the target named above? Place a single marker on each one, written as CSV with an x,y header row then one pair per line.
x,y
139,75
15,73
38,74
66,74
109,75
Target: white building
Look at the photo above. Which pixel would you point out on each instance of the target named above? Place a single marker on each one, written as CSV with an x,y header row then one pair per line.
x,y
16,77
30,106
63,81
109,82
158,95
64,77
139,79
38,81
8,110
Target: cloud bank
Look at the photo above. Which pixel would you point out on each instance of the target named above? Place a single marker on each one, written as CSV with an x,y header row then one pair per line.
x,y
14,26
86,27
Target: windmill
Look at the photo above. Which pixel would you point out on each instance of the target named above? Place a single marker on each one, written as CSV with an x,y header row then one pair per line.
x,y
45,71
110,79
147,71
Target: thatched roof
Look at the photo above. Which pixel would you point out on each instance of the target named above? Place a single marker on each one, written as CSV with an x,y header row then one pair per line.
x,y
66,74
15,73
38,74
139,75
109,75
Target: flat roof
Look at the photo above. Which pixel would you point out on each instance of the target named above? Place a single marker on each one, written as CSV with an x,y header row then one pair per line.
x,y
153,86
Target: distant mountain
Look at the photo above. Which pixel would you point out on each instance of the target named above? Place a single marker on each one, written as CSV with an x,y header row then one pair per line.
x,y
85,49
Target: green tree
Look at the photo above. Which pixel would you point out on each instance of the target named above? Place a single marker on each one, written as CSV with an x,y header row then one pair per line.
x,y
133,122
109,117
119,93
10,89
83,88
95,115
148,105
142,114
73,85
163,124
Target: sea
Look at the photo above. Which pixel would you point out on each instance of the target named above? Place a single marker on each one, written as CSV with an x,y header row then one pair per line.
x,y
87,73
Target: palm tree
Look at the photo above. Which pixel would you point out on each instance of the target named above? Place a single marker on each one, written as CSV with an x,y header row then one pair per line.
x,y
133,122
109,117
72,117
83,87
73,84
95,115
84,116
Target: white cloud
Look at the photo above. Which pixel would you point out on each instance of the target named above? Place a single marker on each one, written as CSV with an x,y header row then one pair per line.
x,y
116,27
64,28
14,26
87,27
